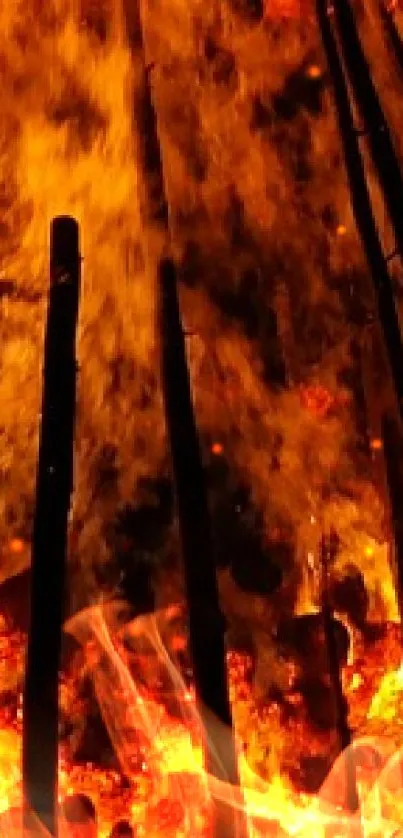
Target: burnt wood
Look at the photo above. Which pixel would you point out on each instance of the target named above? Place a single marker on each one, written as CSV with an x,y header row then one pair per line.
x,y
49,547
206,623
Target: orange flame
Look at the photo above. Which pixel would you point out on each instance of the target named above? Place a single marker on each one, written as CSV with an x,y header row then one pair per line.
x,y
170,793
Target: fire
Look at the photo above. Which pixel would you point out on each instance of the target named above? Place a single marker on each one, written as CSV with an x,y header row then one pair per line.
x,y
288,9
70,149
159,784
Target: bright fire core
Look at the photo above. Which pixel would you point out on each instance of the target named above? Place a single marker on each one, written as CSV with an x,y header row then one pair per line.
x,y
160,785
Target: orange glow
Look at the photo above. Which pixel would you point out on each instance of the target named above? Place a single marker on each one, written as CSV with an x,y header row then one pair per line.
x,y
169,792
317,399
217,448
17,545
376,444
314,72
392,6
69,98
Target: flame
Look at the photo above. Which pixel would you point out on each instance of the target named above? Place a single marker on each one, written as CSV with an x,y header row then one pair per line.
x,y
159,736
67,147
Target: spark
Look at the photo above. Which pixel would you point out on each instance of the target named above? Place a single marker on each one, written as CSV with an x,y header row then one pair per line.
x,y
217,448
17,545
314,72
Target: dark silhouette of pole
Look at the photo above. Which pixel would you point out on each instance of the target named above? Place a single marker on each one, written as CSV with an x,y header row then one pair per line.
x,y
49,549
206,622
207,626
392,33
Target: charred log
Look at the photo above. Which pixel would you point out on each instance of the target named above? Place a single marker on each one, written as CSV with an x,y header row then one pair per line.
x,y
205,618
53,492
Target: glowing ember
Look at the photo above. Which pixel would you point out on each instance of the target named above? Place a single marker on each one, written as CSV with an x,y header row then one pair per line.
x,y
217,448
317,399
287,9
16,545
314,72
72,134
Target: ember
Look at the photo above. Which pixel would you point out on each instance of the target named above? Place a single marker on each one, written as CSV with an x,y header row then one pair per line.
x,y
217,448
317,399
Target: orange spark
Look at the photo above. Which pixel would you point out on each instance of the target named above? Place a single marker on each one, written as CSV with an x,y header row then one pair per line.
x,y
314,72
16,545
317,399
217,448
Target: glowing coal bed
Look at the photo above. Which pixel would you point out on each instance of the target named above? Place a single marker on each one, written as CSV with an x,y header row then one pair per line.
x,y
152,780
